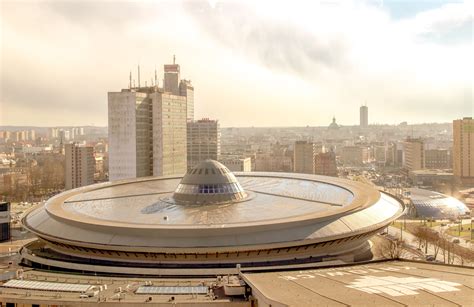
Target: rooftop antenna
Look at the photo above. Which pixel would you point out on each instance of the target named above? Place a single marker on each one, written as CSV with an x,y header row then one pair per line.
x,y
156,79
130,80
145,84
133,83
138,75
174,59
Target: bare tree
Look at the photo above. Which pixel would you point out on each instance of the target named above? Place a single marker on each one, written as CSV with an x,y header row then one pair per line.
x,y
391,249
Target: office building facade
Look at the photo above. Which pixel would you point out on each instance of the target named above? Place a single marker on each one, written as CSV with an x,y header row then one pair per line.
x,y
203,141
147,128
463,150
413,154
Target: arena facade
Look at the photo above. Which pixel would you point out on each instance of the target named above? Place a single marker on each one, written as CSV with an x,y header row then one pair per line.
x,y
206,222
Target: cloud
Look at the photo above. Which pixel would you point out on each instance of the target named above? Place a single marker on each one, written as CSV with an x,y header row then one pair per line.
x,y
300,61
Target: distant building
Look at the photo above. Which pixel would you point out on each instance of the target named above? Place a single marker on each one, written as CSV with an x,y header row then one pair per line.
x,y
203,141
303,160
463,150
413,154
364,116
147,129
333,125
237,164
357,155
187,90
438,159
430,177
80,165
325,164
273,162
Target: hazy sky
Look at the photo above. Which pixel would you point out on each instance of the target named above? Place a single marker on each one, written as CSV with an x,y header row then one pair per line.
x,y
253,63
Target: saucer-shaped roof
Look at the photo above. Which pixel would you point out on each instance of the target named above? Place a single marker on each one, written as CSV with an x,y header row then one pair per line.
x,y
209,182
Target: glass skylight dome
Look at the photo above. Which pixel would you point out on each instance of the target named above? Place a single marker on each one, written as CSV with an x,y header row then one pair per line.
x,y
209,182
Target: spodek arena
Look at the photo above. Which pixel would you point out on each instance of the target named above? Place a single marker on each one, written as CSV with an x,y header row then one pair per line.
x,y
209,219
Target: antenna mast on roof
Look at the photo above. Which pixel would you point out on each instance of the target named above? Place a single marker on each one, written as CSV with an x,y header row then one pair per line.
x,y
174,59
130,80
156,78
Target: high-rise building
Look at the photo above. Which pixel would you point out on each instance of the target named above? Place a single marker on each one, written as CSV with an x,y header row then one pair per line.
x,y
80,165
325,164
203,141
463,150
147,129
171,80
187,90
413,154
364,116
303,159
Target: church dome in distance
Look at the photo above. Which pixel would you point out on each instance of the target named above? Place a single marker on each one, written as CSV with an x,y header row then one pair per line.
x,y
209,182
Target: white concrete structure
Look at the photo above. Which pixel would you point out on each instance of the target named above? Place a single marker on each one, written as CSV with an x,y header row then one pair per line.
x,y
208,218
147,129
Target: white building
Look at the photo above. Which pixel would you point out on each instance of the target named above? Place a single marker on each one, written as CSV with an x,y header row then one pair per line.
x,y
147,130
80,165
237,164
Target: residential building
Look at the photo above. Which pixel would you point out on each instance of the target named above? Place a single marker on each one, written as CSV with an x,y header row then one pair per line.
x,y
325,164
203,141
463,150
80,165
413,154
303,160
237,164
356,155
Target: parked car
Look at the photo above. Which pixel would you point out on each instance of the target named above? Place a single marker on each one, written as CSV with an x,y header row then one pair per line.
x,y
430,258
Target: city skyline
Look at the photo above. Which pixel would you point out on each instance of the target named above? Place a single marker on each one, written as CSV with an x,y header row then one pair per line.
x,y
403,61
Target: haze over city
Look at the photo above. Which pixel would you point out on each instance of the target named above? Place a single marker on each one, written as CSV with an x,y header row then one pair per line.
x,y
298,63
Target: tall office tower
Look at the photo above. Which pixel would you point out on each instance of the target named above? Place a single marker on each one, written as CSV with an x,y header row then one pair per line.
x,y
204,141
364,116
80,165
413,154
463,150
130,143
147,130
187,90
171,80
168,134
303,157
325,164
